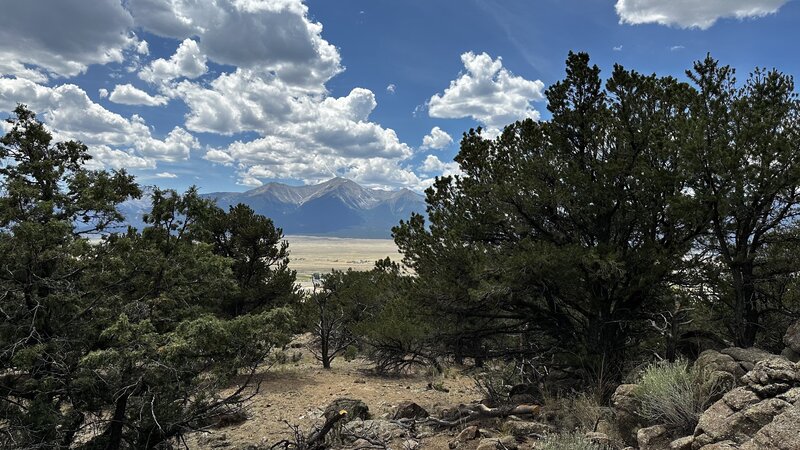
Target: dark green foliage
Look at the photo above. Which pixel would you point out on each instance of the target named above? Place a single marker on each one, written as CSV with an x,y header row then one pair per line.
x,y
746,154
372,310
260,259
569,229
126,335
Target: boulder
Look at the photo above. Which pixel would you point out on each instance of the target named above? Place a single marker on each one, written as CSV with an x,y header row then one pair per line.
x,y
356,409
772,376
684,443
625,405
764,413
790,354
746,357
410,410
653,438
792,337
712,361
782,433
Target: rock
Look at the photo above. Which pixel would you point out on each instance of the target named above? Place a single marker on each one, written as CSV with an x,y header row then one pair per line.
x,y
684,443
719,423
783,433
409,444
356,409
653,438
791,396
375,429
747,357
773,376
599,438
521,429
724,445
504,443
792,337
713,361
483,432
625,405
361,443
764,413
410,410
468,434
790,354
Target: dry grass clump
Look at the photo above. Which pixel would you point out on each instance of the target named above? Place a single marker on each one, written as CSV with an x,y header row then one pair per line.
x,y
569,441
672,394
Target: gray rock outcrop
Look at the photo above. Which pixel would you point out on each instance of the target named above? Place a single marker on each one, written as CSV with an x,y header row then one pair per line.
x,y
763,413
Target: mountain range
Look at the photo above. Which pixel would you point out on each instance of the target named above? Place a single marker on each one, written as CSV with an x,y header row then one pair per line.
x,y
338,207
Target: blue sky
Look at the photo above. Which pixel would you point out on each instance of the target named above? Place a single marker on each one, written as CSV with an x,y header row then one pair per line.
x,y
231,94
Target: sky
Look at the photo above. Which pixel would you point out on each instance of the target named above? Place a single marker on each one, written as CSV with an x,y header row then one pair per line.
x,y
229,95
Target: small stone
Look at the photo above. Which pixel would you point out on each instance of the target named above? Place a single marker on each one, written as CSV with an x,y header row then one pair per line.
x,y
504,443
410,444
410,410
468,434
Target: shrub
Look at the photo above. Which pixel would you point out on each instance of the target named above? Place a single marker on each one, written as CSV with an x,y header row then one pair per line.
x,y
672,394
569,441
496,381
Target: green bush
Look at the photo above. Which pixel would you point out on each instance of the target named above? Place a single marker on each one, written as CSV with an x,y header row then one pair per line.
x,y
672,394
569,441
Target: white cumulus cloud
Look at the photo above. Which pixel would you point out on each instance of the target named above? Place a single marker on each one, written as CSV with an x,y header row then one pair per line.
x,y
433,165
62,37
700,14
188,61
165,175
272,36
488,93
437,139
127,94
71,114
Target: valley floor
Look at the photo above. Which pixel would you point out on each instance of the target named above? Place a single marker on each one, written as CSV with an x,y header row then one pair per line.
x,y
313,254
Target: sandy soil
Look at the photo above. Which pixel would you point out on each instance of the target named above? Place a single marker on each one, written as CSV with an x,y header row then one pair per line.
x,y
310,254
298,393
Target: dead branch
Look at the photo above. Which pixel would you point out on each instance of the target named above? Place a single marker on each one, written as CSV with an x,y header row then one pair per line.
x,y
472,413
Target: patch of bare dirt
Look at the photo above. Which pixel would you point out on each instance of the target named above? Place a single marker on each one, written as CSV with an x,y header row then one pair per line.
x,y
297,393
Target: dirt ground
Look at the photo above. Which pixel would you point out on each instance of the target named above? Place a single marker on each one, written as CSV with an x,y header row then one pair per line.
x,y
297,393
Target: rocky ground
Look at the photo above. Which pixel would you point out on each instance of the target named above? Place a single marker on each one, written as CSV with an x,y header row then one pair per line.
x,y
758,409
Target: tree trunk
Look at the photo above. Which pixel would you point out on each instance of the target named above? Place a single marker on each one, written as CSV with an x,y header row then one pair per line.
x,y
746,314
117,422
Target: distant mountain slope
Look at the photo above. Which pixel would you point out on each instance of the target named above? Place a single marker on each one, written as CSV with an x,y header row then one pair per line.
x,y
337,207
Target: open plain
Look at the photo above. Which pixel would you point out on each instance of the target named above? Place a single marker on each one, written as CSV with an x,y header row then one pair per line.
x,y
313,254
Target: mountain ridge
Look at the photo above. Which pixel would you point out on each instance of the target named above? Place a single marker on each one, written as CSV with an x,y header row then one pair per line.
x,y
338,207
